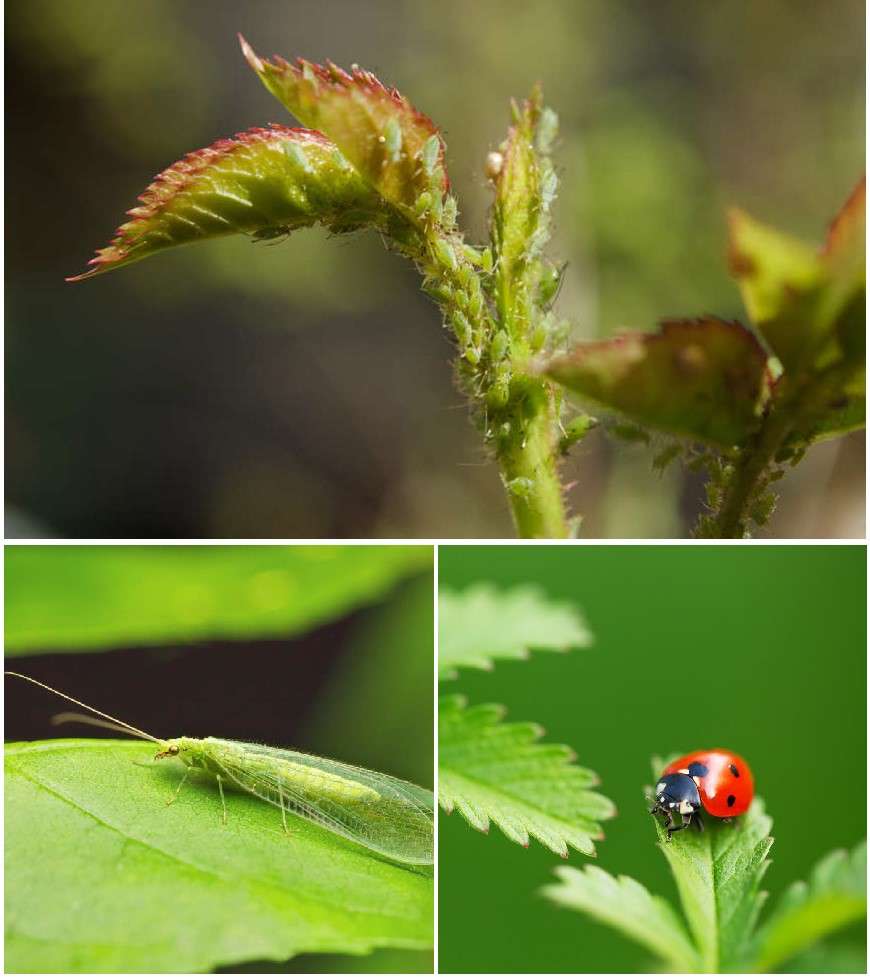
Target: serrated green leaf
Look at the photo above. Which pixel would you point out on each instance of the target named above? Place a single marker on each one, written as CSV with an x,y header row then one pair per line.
x,y
102,875
264,182
705,379
627,906
834,896
481,624
397,149
97,597
718,873
498,772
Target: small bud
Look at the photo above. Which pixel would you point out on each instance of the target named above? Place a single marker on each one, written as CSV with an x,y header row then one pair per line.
x,y
448,217
520,487
472,355
486,260
576,430
423,203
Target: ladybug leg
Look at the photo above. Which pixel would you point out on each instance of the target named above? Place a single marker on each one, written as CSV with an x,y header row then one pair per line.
x,y
698,821
678,828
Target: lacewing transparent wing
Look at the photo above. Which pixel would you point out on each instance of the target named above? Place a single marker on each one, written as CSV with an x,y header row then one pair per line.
x,y
392,817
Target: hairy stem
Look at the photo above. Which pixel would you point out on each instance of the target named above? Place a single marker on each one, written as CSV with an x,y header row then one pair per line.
x,y
527,453
788,414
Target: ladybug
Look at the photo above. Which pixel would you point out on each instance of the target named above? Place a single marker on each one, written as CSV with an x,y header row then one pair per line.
x,y
719,781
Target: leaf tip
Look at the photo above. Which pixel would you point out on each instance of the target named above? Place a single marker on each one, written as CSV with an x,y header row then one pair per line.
x,y
251,56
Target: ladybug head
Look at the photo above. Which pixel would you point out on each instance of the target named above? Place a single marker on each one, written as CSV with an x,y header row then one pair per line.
x,y
677,793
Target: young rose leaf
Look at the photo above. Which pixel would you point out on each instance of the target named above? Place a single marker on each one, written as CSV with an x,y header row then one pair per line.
x,y
494,771
706,379
718,873
397,149
263,182
848,415
525,186
627,906
798,297
835,896
481,624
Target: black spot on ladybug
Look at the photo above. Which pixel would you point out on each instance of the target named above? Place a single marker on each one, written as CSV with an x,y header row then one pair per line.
x,y
731,800
698,770
734,770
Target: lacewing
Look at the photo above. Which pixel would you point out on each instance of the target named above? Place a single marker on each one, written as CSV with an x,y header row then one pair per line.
x,y
383,814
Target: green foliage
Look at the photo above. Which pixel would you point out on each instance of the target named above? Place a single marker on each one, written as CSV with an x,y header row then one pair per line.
x,y
498,772
718,874
834,896
482,624
705,379
494,771
102,875
89,598
622,903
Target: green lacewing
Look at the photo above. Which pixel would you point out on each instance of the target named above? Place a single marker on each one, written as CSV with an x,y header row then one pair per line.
x,y
383,814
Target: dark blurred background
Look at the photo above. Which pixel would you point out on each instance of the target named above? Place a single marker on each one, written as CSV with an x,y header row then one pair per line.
x,y
763,648
234,390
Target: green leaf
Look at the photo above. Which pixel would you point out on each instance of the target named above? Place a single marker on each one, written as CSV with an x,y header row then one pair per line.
x,y
397,149
851,416
494,771
264,182
834,896
102,876
525,187
718,873
705,379
627,906
481,624
89,598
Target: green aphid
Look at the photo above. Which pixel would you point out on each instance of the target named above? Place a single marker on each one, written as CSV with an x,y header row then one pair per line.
x,y
383,814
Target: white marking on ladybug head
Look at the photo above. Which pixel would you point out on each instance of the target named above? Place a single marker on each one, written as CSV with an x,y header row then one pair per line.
x,y
686,808
660,787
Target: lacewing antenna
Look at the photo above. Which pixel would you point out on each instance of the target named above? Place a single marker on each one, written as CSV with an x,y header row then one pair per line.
x,y
118,724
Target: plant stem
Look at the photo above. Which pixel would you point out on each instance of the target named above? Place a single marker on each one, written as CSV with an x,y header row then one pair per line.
x,y
794,407
528,458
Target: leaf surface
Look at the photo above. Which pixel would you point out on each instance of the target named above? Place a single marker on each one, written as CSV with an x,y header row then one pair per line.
x,y
494,771
90,598
102,875
626,905
705,379
718,873
395,148
263,182
482,623
834,896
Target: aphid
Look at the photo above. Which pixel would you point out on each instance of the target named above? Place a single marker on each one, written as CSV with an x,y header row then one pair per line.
x,y
719,781
383,814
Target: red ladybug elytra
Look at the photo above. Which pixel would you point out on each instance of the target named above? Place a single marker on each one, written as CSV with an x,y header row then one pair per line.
x,y
719,781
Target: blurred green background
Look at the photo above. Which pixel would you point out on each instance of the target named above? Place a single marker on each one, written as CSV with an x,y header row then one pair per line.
x,y
326,649
233,390
763,648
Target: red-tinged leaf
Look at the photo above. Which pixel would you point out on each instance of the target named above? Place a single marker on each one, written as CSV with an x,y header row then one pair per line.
x,y
396,148
846,235
263,182
706,379
808,304
844,255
